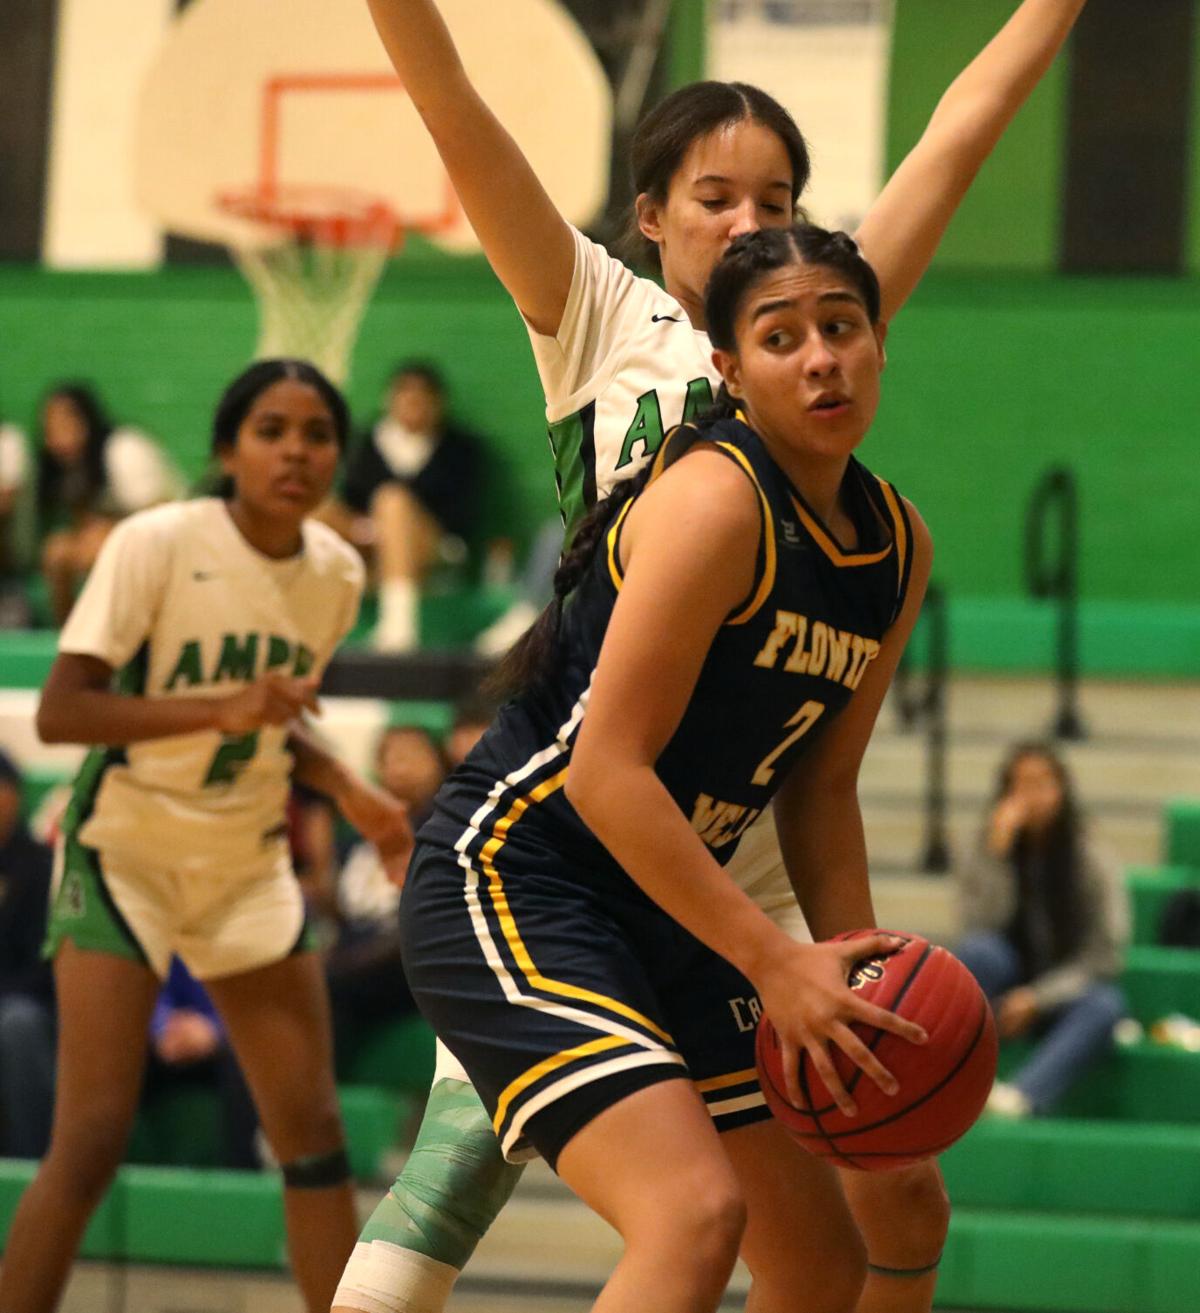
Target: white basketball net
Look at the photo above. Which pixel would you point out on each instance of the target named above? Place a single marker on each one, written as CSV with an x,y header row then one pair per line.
x,y
314,279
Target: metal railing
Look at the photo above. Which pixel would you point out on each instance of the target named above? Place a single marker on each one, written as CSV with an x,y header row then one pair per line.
x,y
1052,574
922,700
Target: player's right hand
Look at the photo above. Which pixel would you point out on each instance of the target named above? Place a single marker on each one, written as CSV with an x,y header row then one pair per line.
x,y
271,700
806,995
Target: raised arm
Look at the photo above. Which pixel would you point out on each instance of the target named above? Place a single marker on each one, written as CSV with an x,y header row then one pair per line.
x,y
527,241
905,225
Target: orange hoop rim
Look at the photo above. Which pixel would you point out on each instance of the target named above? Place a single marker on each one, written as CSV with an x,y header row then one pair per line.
x,y
322,216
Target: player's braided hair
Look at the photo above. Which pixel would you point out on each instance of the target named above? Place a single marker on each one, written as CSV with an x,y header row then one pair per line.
x,y
753,256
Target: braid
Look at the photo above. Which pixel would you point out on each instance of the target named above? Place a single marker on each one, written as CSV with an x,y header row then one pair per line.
x,y
531,658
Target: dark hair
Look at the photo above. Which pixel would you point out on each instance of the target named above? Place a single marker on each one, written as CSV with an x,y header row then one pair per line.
x,y
667,132
425,370
751,257
531,658
51,476
239,397
1053,858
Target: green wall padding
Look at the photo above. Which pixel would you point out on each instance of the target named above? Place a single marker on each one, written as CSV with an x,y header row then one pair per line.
x,y
1183,832
1011,219
990,380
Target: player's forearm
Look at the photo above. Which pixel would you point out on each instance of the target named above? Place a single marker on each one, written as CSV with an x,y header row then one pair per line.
x,y
421,49
904,227
95,716
980,103
316,767
526,240
825,852
637,820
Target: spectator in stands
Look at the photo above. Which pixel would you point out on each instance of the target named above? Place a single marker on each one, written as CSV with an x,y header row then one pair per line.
x,y
1045,920
472,717
535,589
14,484
187,1043
366,980
410,493
27,1027
90,474
312,837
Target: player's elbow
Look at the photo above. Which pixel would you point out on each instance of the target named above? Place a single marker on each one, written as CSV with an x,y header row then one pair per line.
x,y
51,723
592,789
581,788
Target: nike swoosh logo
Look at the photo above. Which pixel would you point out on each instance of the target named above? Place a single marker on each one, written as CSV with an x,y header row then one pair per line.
x,y
670,319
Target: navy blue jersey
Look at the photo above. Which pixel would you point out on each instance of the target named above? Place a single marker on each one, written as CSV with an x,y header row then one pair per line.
x,y
779,671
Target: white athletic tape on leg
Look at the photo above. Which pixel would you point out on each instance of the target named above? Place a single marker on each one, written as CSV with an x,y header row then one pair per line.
x,y
447,1066
384,1278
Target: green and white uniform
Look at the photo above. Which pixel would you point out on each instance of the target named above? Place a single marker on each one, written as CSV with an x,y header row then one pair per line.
x,y
179,845
625,367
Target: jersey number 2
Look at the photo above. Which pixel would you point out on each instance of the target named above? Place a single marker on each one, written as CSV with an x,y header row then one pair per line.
x,y
231,758
800,724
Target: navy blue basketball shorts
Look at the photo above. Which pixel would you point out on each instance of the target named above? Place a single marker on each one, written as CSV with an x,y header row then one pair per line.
x,y
562,991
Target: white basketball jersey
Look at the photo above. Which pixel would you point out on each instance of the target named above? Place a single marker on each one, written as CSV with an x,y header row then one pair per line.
x,y
625,367
182,606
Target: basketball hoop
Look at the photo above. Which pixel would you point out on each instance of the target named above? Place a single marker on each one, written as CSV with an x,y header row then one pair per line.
x,y
312,256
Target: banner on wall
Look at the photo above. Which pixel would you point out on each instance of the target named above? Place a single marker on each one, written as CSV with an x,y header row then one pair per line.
x,y
826,61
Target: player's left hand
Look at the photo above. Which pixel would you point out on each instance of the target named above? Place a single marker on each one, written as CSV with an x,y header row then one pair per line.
x,y
1016,1011
383,821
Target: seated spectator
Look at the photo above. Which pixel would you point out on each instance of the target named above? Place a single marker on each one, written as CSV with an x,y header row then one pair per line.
x,y
366,980
473,716
187,1043
410,491
90,474
27,1025
1045,921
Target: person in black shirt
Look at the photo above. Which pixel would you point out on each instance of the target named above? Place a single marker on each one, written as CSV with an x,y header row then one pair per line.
x,y
26,983
410,490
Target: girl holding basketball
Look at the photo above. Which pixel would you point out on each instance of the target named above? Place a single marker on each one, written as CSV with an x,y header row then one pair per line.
x,y
724,630
219,617
622,360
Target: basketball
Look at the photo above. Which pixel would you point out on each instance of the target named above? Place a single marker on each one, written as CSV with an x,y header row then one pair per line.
x,y
944,1083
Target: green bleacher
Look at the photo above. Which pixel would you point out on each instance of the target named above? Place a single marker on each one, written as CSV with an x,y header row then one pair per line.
x,y
1094,1210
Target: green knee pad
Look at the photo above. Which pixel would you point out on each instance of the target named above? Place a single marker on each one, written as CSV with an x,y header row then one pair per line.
x,y
454,1184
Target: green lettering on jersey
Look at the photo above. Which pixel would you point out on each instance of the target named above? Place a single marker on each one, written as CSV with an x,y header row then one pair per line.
x,y
646,429
237,660
279,652
699,399
188,667
304,662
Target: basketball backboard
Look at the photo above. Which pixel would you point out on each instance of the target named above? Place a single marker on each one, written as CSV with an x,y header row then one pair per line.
x,y
299,93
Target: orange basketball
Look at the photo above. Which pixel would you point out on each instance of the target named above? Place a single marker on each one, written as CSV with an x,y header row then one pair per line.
x,y
944,1083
